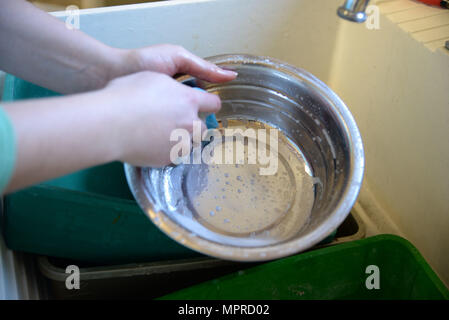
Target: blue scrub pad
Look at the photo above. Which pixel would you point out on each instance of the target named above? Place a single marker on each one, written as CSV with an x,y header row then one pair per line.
x,y
211,121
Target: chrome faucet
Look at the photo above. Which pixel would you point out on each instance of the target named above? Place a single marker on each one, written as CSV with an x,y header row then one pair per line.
x,y
353,10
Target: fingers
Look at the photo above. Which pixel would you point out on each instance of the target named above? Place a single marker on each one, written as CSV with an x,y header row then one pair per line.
x,y
172,59
203,128
187,62
195,135
206,102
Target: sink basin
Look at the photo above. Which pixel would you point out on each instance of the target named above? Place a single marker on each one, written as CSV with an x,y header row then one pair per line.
x,y
393,79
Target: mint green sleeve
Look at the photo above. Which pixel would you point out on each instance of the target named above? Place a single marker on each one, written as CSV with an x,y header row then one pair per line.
x,y
7,150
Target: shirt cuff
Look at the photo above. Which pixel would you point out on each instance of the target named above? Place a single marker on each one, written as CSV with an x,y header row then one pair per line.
x,y
7,150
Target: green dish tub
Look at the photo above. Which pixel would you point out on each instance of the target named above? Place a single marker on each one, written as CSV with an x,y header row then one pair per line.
x,y
73,219
335,272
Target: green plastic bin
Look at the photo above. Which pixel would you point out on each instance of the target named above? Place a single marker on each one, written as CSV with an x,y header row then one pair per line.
x,y
336,272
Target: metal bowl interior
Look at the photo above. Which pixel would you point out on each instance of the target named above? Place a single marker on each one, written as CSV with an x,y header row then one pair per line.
x,y
313,123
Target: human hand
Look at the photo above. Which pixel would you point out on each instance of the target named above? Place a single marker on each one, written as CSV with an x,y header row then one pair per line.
x,y
147,107
170,60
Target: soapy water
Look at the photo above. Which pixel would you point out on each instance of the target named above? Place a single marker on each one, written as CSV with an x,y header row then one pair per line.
x,y
236,200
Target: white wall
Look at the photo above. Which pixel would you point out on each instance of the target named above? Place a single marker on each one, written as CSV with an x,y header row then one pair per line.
x,y
398,91
299,32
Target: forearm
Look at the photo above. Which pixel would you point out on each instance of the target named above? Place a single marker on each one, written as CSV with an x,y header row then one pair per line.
x,y
132,119
39,48
60,135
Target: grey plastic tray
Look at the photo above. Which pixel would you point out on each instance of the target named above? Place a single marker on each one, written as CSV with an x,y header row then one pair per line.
x,y
151,280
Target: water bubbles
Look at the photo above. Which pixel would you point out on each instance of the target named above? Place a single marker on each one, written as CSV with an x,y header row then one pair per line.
x,y
242,200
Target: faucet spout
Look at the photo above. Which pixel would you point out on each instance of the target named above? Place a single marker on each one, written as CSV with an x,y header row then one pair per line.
x,y
353,10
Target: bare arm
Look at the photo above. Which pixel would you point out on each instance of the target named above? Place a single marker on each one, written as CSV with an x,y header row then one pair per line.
x,y
37,47
128,119
131,120
59,135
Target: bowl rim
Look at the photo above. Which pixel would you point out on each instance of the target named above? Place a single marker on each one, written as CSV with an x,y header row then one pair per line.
x,y
286,248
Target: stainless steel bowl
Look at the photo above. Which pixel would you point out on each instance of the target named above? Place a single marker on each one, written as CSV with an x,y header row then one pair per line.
x,y
321,165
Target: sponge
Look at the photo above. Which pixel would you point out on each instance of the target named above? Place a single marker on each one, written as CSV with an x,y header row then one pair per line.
x,y
211,121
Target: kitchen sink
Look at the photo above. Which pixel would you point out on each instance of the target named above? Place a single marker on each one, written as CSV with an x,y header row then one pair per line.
x,y
391,72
